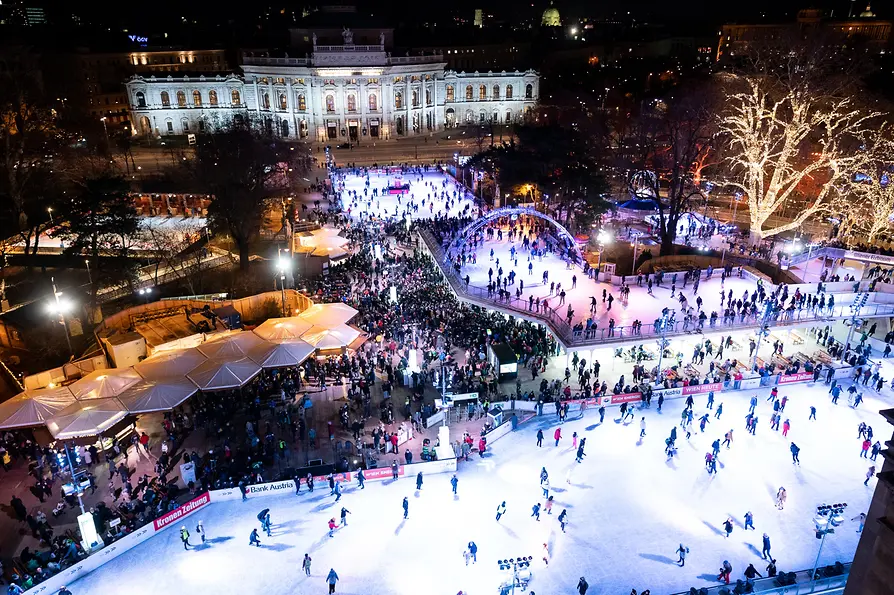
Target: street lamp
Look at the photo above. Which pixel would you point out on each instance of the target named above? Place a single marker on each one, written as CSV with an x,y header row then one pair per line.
x,y
603,238
282,265
105,128
59,306
827,518
50,211
514,564
635,243
89,276
855,321
661,328
145,292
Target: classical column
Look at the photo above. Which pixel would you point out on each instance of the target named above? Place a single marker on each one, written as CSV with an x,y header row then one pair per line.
x,y
257,98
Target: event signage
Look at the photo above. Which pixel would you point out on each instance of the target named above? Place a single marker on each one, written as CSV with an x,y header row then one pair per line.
x,y
698,389
181,511
799,377
625,398
267,488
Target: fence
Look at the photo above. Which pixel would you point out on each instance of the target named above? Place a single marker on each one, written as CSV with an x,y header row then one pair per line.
x,y
767,586
573,338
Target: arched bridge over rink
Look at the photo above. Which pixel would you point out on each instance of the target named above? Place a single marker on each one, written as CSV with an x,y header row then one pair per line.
x,y
469,230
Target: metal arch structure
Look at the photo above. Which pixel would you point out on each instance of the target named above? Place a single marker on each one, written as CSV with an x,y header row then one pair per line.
x,y
474,226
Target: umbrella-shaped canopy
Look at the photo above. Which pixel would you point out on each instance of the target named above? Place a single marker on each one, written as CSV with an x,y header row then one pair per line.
x,y
281,354
328,315
221,374
274,329
144,397
34,407
103,384
332,252
86,418
170,364
325,231
331,338
235,346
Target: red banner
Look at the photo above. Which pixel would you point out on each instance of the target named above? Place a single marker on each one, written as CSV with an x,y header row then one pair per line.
x,y
626,398
382,473
702,388
799,377
181,511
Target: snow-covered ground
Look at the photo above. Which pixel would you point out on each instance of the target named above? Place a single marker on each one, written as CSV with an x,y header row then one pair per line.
x,y
629,510
427,198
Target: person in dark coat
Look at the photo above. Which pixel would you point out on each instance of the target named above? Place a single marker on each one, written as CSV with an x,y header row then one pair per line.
x,y
582,586
19,507
419,480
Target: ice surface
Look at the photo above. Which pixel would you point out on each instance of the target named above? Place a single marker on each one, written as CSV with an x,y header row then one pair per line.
x,y
629,510
429,191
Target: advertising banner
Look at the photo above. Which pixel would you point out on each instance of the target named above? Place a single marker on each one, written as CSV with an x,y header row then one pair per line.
x,y
625,398
181,511
799,377
702,388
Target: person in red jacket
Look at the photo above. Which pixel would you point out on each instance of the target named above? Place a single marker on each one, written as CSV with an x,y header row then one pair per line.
x,y
482,446
558,435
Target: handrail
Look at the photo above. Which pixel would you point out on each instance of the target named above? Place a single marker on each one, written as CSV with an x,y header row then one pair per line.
x,y
572,338
768,586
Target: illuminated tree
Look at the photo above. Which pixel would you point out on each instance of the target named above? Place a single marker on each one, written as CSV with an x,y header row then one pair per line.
x,y
790,141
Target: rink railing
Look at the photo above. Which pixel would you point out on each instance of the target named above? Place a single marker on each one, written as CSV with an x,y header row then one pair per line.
x,y
572,338
767,586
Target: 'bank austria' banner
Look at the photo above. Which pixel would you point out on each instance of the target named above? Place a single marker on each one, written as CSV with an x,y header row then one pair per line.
x,y
181,511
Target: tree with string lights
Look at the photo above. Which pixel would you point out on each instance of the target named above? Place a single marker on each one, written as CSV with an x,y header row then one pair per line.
x,y
793,139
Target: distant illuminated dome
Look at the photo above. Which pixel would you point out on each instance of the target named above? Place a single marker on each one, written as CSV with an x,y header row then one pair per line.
x,y
866,14
551,17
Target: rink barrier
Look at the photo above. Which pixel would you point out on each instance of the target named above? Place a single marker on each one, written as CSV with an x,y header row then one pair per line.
x,y
277,488
116,548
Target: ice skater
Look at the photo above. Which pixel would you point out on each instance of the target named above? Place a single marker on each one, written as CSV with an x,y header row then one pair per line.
x,y
331,579
543,475
184,537
419,480
781,495
536,511
795,451
749,521
305,564
453,483
563,519
501,510
332,527
361,478
869,475
545,487
540,438
682,551
200,530
728,526
642,427
406,507
254,539
765,549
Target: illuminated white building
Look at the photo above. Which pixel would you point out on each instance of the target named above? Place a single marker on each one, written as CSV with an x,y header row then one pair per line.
x,y
337,93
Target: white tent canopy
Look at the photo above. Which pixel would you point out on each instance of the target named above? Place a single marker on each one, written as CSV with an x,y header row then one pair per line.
x,y
331,338
222,374
145,397
86,418
170,364
235,346
103,384
328,315
289,352
34,407
274,329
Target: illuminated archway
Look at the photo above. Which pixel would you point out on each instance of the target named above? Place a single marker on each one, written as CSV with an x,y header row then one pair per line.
x,y
563,234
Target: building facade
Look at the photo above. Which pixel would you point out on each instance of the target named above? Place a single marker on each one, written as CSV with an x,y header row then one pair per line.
x,y
337,93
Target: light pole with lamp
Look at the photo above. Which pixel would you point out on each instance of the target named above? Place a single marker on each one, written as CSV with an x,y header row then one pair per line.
x,y
105,128
762,332
827,518
662,324
89,276
50,211
635,243
603,238
855,320
282,264
60,307
515,565
145,292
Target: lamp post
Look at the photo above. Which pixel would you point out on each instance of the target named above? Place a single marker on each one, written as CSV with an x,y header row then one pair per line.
x,y
635,243
282,264
603,238
50,211
60,307
855,320
827,518
762,332
145,292
738,197
105,128
515,564
662,324
89,276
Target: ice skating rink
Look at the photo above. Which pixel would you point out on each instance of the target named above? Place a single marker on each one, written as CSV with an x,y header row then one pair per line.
x,y
427,198
629,509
